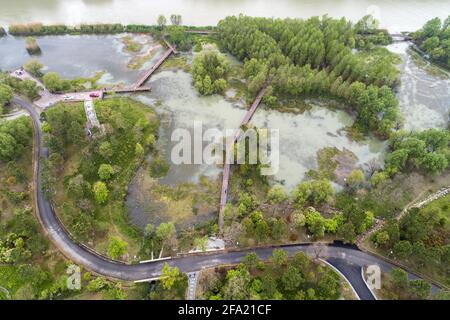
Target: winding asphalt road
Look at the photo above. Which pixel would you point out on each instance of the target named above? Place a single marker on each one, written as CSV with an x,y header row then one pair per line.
x,y
348,260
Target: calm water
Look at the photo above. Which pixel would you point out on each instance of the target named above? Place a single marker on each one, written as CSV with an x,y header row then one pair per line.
x,y
424,98
301,135
76,56
396,15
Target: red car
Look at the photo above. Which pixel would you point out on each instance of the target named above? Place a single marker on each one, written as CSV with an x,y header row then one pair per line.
x,y
94,95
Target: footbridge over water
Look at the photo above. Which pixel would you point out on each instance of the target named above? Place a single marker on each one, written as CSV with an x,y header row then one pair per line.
x,y
229,155
149,72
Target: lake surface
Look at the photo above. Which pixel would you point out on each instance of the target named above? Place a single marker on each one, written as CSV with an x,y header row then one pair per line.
x,y
301,135
395,15
424,98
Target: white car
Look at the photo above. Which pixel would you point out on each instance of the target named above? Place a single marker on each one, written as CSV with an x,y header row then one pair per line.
x,y
66,98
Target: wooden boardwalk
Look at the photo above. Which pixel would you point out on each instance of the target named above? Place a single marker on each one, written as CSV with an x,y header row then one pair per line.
x,y
201,31
149,72
127,90
229,155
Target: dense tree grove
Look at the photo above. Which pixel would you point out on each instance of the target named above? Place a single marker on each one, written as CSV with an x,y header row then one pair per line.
x,y
209,71
297,278
421,238
315,57
434,39
368,34
95,187
100,28
25,87
6,95
427,150
15,135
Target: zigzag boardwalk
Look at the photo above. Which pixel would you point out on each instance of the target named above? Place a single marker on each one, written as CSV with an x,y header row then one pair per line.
x,y
148,73
228,155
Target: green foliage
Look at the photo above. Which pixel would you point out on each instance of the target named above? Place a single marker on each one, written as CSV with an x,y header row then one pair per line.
x,y
162,21
279,229
105,172
25,87
178,36
128,123
251,260
113,291
296,278
34,67
6,95
105,149
159,167
247,203
209,71
420,238
298,219
368,35
314,57
318,225
279,257
165,231
169,276
277,194
237,285
420,288
313,192
54,83
117,248
426,150
355,178
15,136
256,226
402,249
101,192
434,39
201,243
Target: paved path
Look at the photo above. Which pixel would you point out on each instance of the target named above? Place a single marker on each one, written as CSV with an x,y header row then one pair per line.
x,y
47,98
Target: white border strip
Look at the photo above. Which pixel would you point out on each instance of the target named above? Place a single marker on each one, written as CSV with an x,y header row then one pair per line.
x,y
154,260
340,273
149,279
365,282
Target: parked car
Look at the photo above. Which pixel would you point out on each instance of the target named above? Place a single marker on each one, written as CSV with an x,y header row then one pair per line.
x,y
94,95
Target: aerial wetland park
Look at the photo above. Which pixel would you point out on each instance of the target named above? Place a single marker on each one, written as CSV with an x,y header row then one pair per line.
x,y
223,150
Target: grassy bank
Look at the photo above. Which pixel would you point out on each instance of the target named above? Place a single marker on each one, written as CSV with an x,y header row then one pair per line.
x,y
39,29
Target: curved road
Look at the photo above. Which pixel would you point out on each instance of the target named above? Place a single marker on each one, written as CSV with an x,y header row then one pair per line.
x,y
348,260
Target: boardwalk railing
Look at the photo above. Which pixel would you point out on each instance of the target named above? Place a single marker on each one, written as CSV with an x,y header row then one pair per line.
x,y
229,155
